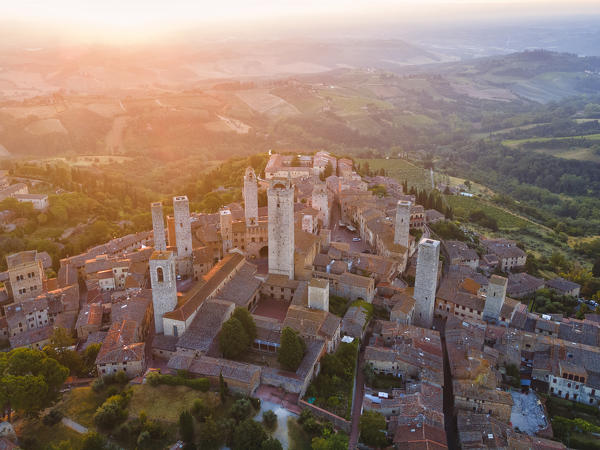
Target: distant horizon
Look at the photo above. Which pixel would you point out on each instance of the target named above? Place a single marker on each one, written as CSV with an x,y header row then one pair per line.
x,y
138,22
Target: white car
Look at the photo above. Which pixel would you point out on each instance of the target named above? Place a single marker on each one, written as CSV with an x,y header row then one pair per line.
x,y
356,239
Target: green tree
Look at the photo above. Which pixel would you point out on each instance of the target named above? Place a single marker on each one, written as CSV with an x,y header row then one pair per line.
x,y
111,413
247,321
186,427
248,435
372,429
271,444
233,339
270,419
292,349
223,388
337,441
29,379
200,409
210,434
93,441
241,409
89,359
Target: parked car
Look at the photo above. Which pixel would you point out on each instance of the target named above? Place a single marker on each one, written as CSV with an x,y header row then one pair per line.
x,y
356,239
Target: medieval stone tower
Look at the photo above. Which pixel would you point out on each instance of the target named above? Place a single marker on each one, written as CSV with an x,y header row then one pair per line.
x,y
281,227
402,226
320,202
183,234
164,287
226,230
250,197
426,282
158,227
496,293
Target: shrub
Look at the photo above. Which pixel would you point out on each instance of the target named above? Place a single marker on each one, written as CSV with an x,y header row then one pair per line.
x,y
271,444
112,412
186,427
248,435
241,409
198,384
200,410
52,418
98,385
93,441
270,419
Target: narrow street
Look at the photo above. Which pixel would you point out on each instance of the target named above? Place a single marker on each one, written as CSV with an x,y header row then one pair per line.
x,y
448,403
359,392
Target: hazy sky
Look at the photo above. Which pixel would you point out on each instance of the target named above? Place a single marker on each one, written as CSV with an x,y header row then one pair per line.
x,y
144,19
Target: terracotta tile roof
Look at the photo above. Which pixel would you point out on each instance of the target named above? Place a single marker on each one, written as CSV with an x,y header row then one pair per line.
x,y
212,281
205,327
119,345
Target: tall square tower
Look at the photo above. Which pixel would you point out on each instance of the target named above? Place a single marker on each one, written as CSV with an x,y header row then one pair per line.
x,y
281,227
426,282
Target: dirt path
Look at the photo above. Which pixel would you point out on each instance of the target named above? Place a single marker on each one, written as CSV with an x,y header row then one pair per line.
x,y
74,425
114,138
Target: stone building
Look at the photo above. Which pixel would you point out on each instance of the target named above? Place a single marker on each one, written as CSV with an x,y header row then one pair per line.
x,y
402,225
281,227
459,253
226,229
496,293
320,202
183,234
509,255
158,227
164,286
318,294
120,352
25,274
426,282
250,197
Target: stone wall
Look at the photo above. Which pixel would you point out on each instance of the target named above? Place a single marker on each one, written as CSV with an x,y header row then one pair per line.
x,y
337,421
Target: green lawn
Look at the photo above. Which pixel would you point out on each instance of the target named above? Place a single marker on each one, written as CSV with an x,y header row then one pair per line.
x,y
80,404
35,435
401,170
164,402
463,206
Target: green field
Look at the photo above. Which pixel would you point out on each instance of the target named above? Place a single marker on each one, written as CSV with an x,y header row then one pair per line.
x,y
80,404
517,142
401,170
577,153
164,402
37,436
463,206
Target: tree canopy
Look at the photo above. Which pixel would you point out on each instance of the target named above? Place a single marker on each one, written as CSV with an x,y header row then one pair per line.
x,y
233,339
292,349
29,379
372,429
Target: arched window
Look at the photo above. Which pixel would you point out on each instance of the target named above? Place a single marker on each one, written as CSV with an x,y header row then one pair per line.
x,y
159,275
